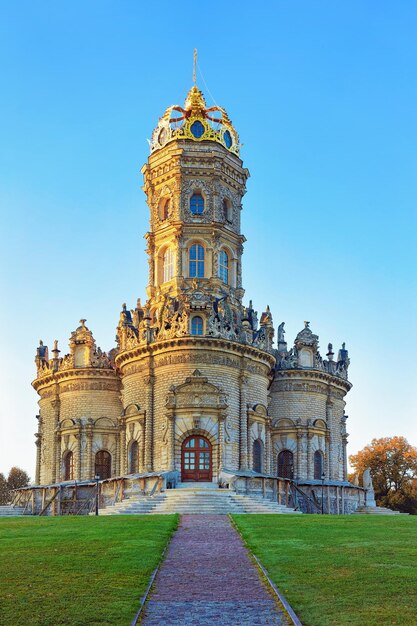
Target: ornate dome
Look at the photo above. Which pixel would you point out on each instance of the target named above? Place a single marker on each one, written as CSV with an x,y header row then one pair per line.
x,y
196,122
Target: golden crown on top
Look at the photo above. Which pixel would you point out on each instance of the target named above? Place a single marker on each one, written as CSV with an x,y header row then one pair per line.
x,y
196,122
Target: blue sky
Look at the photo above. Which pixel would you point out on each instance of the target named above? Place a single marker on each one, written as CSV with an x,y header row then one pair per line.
x,y
323,95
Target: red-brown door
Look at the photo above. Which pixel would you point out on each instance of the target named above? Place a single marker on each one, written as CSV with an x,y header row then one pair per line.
x,y
196,459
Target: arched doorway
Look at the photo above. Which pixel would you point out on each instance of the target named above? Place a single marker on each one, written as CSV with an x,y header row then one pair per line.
x,y
102,466
196,459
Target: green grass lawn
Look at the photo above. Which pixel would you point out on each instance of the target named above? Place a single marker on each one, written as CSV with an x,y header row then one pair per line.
x,y
339,569
78,570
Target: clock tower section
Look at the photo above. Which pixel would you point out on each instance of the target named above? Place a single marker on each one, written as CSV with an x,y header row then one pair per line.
x,y
194,183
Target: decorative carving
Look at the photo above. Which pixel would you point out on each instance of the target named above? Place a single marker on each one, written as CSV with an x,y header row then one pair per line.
x,y
227,430
213,124
196,393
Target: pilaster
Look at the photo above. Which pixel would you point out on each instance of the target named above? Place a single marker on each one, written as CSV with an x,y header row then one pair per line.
x,y
149,383
243,381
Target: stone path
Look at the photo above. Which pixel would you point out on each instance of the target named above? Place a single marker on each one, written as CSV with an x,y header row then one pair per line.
x,y
208,578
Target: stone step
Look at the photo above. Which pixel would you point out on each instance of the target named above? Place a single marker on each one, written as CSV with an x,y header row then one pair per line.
x,y
197,501
10,510
375,510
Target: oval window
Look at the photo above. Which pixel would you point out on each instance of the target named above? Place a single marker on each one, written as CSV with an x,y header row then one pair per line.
x,y
227,137
162,136
197,129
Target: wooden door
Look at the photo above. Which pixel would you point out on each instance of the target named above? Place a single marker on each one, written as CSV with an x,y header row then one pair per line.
x,y
196,459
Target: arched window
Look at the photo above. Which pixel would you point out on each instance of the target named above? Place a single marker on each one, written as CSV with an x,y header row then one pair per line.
x,y
164,208
133,457
196,263
102,466
257,452
318,465
196,325
224,266
197,203
286,464
168,264
227,210
69,466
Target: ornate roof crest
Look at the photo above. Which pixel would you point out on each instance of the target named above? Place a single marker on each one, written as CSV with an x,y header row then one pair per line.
x,y
197,122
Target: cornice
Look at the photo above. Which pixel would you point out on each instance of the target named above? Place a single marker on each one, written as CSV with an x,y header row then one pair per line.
x,y
74,374
195,343
316,375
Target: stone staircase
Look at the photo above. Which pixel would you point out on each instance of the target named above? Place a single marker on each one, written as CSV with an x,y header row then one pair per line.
x,y
195,500
375,510
9,510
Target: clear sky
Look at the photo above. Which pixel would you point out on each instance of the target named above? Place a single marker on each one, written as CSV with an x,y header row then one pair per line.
x,y
324,97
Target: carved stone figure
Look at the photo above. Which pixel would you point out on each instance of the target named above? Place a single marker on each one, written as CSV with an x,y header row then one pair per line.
x,y
367,483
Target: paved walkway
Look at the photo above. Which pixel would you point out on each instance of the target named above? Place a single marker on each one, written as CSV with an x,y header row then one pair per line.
x,y
208,578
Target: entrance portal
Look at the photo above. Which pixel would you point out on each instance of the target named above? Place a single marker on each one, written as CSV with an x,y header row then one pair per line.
x,y
196,459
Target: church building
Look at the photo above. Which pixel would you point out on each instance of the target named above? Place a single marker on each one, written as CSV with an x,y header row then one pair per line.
x,y
198,384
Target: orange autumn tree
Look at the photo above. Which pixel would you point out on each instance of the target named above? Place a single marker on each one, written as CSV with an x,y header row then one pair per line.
x,y
393,464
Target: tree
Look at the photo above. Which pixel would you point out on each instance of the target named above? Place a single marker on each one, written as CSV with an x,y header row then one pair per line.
x,y
4,490
17,478
393,465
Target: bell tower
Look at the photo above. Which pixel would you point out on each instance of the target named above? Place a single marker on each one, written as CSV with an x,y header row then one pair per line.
x,y
194,182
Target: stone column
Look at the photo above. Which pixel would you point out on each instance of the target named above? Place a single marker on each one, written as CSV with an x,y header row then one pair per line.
x,y
56,469
89,452
149,382
310,465
117,468
209,264
239,267
268,445
222,418
122,444
150,251
328,461
79,453
178,256
345,470
57,457
171,440
38,458
329,405
300,435
243,381
141,460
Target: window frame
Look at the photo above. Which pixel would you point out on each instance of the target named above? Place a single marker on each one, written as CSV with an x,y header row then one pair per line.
x,y
318,469
200,327
224,269
168,265
134,457
164,206
108,464
68,465
289,463
227,210
200,205
259,456
198,262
